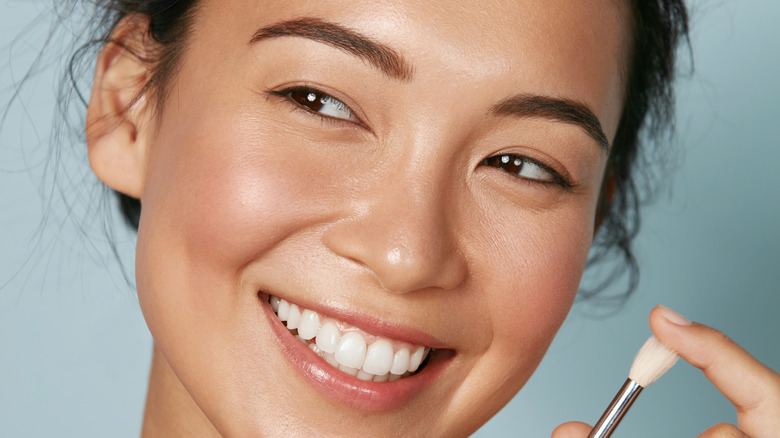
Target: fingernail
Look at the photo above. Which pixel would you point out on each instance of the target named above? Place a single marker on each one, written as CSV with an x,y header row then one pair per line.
x,y
673,317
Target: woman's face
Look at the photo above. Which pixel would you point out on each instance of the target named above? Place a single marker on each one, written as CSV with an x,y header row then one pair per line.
x,y
414,173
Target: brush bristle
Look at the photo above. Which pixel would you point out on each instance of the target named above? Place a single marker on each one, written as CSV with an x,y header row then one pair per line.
x,y
651,362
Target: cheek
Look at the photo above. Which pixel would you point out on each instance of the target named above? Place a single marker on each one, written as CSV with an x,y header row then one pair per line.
x,y
547,280
223,195
527,266
218,195
540,269
559,259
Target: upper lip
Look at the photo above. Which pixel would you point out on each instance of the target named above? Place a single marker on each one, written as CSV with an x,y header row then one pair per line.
x,y
374,325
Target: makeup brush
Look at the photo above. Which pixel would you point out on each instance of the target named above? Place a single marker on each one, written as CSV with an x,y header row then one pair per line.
x,y
650,363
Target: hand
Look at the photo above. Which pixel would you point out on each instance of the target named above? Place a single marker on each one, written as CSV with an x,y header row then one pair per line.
x,y
751,386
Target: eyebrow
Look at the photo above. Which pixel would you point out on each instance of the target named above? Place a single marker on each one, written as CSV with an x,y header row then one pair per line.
x,y
393,65
380,56
551,108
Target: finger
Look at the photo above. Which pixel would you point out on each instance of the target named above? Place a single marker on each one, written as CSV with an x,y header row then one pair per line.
x,y
723,430
573,429
752,387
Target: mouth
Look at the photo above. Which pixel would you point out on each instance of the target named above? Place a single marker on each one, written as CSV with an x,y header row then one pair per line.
x,y
349,349
336,355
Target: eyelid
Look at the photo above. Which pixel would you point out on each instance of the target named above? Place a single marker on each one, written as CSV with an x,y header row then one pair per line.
x,y
282,92
559,178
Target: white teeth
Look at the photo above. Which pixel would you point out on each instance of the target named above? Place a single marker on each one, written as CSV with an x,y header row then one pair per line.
x,y
328,337
349,370
310,324
400,361
348,352
352,350
379,357
331,359
283,311
294,318
416,358
362,375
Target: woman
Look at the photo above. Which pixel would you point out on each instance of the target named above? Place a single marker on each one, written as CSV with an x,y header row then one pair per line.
x,y
425,182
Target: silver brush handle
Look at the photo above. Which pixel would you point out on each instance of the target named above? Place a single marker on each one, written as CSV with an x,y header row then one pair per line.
x,y
616,410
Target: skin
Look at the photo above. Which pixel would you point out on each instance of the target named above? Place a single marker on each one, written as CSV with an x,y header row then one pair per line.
x,y
394,216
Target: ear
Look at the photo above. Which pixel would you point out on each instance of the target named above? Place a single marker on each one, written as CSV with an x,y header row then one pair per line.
x,y
605,199
119,116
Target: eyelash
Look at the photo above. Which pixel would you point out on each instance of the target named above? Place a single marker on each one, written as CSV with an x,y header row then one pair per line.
x,y
514,164
300,96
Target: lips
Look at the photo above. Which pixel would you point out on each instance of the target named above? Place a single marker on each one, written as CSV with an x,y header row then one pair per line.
x,y
349,349
357,377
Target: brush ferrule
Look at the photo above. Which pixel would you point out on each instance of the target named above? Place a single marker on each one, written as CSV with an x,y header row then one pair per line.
x,y
616,410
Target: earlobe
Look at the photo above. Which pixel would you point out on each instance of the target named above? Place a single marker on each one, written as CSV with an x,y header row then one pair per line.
x,y
119,114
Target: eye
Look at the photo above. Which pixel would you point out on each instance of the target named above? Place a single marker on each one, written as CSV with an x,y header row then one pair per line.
x,y
527,169
319,103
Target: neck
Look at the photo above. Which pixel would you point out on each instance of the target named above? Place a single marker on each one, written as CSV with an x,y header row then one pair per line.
x,y
170,410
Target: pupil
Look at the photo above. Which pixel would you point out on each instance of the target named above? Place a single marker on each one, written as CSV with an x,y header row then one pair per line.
x,y
506,163
307,99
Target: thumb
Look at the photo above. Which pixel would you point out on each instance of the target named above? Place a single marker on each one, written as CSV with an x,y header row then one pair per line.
x,y
572,429
723,430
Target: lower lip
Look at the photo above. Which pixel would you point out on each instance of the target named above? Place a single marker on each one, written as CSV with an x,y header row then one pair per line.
x,y
355,393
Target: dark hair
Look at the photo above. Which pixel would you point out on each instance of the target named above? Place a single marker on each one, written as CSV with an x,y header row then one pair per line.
x,y
648,112
638,147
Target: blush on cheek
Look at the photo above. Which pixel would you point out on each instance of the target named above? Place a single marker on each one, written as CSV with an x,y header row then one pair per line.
x,y
238,213
534,316
228,199
546,283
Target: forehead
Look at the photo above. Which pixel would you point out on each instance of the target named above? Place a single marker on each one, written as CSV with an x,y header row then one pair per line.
x,y
562,48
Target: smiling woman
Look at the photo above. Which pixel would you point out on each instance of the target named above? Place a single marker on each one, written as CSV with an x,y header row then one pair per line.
x,y
372,218
394,212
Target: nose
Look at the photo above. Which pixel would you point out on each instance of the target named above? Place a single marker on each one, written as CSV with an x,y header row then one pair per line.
x,y
404,233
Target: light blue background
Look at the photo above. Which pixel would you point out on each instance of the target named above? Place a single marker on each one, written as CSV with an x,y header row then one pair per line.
x,y
74,350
